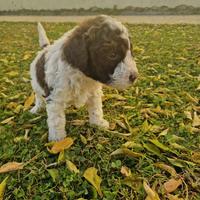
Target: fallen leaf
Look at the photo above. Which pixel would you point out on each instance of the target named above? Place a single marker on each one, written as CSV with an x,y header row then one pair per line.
x,y
61,145
13,73
8,120
61,157
172,184
159,145
54,174
196,157
29,101
125,171
78,122
127,152
114,96
152,148
188,114
83,139
151,194
196,120
133,182
190,98
3,187
164,132
167,168
90,175
11,166
174,197
121,124
72,167
12,105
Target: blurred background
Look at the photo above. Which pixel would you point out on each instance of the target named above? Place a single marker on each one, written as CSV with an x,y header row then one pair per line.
x,y
93,7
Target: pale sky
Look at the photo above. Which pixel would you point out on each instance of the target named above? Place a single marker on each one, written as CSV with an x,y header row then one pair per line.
x,y
59,4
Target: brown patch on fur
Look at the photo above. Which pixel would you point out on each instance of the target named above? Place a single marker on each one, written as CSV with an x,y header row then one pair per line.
x,y
40,74
96,48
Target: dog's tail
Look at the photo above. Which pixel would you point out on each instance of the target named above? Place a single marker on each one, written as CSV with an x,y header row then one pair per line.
x,y
43,39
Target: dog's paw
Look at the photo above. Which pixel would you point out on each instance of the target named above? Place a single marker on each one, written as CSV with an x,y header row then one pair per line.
x,y
101,123
54,136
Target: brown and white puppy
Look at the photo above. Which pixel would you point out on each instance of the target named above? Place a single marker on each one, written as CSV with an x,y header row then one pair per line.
x,y
72,70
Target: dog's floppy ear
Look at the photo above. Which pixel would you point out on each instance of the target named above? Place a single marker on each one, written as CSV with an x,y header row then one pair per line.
x,y
75,51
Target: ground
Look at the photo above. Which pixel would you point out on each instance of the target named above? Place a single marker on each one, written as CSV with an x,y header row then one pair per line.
x,y
155,123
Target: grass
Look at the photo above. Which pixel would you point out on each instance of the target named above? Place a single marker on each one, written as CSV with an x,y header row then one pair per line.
x,y
164,98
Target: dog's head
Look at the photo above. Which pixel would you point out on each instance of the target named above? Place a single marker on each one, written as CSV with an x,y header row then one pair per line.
x,y
101,49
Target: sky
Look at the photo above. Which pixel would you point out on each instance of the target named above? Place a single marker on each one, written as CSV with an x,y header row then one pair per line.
x,y
59,4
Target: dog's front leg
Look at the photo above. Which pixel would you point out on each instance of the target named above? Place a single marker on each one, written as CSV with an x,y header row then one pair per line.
x,y
94,106
56,120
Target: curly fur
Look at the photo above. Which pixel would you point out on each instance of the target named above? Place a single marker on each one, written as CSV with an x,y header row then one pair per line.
x,y
70,72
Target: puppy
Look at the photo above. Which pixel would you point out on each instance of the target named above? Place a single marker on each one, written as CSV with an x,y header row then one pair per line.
x,y
72,70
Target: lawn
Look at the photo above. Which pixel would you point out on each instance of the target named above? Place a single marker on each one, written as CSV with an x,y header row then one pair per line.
x,y
153,146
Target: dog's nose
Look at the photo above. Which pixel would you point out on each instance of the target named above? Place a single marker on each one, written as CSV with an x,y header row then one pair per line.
x,y
132,77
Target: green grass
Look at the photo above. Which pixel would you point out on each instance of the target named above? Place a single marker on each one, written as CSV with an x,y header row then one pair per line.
x,y
168,59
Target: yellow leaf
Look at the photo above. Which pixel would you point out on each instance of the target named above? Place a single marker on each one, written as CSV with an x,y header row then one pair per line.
x,y
26,56
173,197
125,171
196,157
54,174
18,109
167,168
13,74
196,120
77,122
190,98
151,194
12,105
61,157
164,132
6,121
83,139
127,152
90,175
114,96
188,114
29,101
11,166
171,185
72,167
3,187
61,145
198,88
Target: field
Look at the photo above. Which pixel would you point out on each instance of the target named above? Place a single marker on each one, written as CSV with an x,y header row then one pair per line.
x,y
155,124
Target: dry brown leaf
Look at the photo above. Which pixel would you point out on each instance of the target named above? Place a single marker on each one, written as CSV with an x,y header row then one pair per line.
x,y
196,120
61,145
29,101
172,184
11,166
167,168
72,167
125,171
90,175
3,187
151,194
8,120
